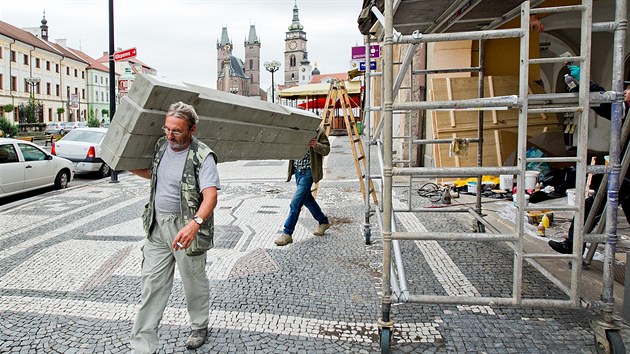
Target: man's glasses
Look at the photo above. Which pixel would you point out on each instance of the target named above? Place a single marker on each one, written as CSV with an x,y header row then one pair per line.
x,y
176,133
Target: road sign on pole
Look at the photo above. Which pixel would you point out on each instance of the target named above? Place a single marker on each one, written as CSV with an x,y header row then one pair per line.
x,y
125,54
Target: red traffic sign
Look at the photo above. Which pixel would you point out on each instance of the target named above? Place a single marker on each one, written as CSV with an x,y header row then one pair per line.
x,y
125,54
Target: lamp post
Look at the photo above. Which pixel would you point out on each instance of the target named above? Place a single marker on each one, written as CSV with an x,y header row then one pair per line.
x,y
32,82
272,67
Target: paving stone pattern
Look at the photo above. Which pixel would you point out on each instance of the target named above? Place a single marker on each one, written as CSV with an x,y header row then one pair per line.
x,y
70,276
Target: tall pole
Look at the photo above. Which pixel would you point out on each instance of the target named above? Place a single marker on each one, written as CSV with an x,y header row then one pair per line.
x,y
273,94
112,77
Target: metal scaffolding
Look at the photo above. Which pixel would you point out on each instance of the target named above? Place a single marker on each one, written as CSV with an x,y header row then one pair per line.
x,y
394,285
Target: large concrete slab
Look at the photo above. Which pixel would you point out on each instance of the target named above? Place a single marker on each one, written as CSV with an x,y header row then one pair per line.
x,y
235,127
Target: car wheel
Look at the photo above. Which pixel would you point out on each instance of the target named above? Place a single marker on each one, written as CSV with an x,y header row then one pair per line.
x,y
62,179
104,171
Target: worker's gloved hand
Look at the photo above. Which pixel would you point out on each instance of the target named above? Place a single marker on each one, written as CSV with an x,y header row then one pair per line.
x,y
575,71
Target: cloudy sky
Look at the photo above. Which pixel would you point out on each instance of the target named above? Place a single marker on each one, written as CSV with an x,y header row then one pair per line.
x,y
178,37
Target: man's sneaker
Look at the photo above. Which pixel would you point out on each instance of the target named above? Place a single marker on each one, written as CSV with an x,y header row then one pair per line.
x,y
284,239
321,228
196,339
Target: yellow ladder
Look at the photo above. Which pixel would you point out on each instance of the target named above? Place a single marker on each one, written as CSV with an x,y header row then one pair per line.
x,y
338,92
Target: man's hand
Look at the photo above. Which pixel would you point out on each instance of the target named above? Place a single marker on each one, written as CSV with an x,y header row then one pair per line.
x,y
312,143
185,236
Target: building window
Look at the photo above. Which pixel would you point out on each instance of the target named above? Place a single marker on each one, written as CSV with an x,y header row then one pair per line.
x,y
48,65
76,73
76,90
27,87
50,116
101,79
37,63
13,56
292,61
68,91
105,81
38,89
57,68
1,82
25,59
13,83
251,64
67,70
57,90
96,79
83,93
48,88
82,74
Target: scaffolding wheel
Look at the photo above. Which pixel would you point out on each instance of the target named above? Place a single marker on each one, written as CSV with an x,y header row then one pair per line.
x,y
367,233
614,346
386,340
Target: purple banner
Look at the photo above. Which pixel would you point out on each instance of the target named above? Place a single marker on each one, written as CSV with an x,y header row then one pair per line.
x,y
359,52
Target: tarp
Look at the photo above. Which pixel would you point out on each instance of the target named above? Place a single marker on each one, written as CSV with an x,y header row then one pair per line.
x,y
320,102
321,89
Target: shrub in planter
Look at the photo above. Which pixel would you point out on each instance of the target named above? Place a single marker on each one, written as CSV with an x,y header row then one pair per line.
x,y
9,129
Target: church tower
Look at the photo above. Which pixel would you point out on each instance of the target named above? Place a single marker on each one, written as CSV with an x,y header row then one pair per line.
x,y
224,50
294,50
44,28
252,61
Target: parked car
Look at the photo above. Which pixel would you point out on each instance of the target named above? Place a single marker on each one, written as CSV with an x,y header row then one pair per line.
x,y
68,126
25,166
55,128
83,147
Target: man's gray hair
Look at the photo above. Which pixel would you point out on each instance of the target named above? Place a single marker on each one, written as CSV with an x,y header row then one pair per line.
x,y
183,111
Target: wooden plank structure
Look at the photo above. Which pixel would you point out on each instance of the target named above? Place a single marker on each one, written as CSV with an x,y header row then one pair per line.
x,y
500,126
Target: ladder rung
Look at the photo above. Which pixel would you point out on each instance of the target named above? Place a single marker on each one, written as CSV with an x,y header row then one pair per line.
x,y
555,9
554,60
357,140
359,158
556,110
554,159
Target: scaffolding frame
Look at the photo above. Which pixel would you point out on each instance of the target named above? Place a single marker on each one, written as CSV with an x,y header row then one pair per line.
x,y
395,290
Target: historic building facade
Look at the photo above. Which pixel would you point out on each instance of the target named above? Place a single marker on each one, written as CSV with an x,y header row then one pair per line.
x,y
297,68
235,75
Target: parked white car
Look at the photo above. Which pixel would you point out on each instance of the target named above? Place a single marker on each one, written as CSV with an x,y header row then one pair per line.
x,y
83,147
25,166
54,128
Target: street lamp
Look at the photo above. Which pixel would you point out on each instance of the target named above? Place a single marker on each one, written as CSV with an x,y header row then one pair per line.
x,y
234,90
32,82
272,68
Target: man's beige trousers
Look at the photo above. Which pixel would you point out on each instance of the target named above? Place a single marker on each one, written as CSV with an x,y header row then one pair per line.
x,y
158,269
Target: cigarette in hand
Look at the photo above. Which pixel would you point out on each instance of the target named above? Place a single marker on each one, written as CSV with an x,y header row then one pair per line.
x,y
180,245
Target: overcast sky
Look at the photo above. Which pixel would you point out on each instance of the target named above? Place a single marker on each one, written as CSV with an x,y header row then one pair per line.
x,y
178,37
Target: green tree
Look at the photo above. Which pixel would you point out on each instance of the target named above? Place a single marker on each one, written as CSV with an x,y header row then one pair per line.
x,y
60,112
30,112
8,129
105,112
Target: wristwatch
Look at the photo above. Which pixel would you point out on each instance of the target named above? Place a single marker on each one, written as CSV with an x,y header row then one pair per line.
x,y
198,219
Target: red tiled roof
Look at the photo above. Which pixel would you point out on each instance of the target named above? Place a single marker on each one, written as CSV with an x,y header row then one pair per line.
x,y
26,37
93,63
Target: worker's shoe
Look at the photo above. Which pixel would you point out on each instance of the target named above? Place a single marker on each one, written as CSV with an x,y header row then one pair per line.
x,y
196,339
283,240
321,228
564,247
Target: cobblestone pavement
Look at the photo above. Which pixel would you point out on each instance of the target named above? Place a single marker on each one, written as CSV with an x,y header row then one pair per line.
x,y
70,276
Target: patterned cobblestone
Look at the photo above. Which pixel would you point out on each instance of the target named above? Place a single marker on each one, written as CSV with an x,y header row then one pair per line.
x,y
70,276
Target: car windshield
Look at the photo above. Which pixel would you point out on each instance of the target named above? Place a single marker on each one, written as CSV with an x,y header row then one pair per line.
x,y
84,136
